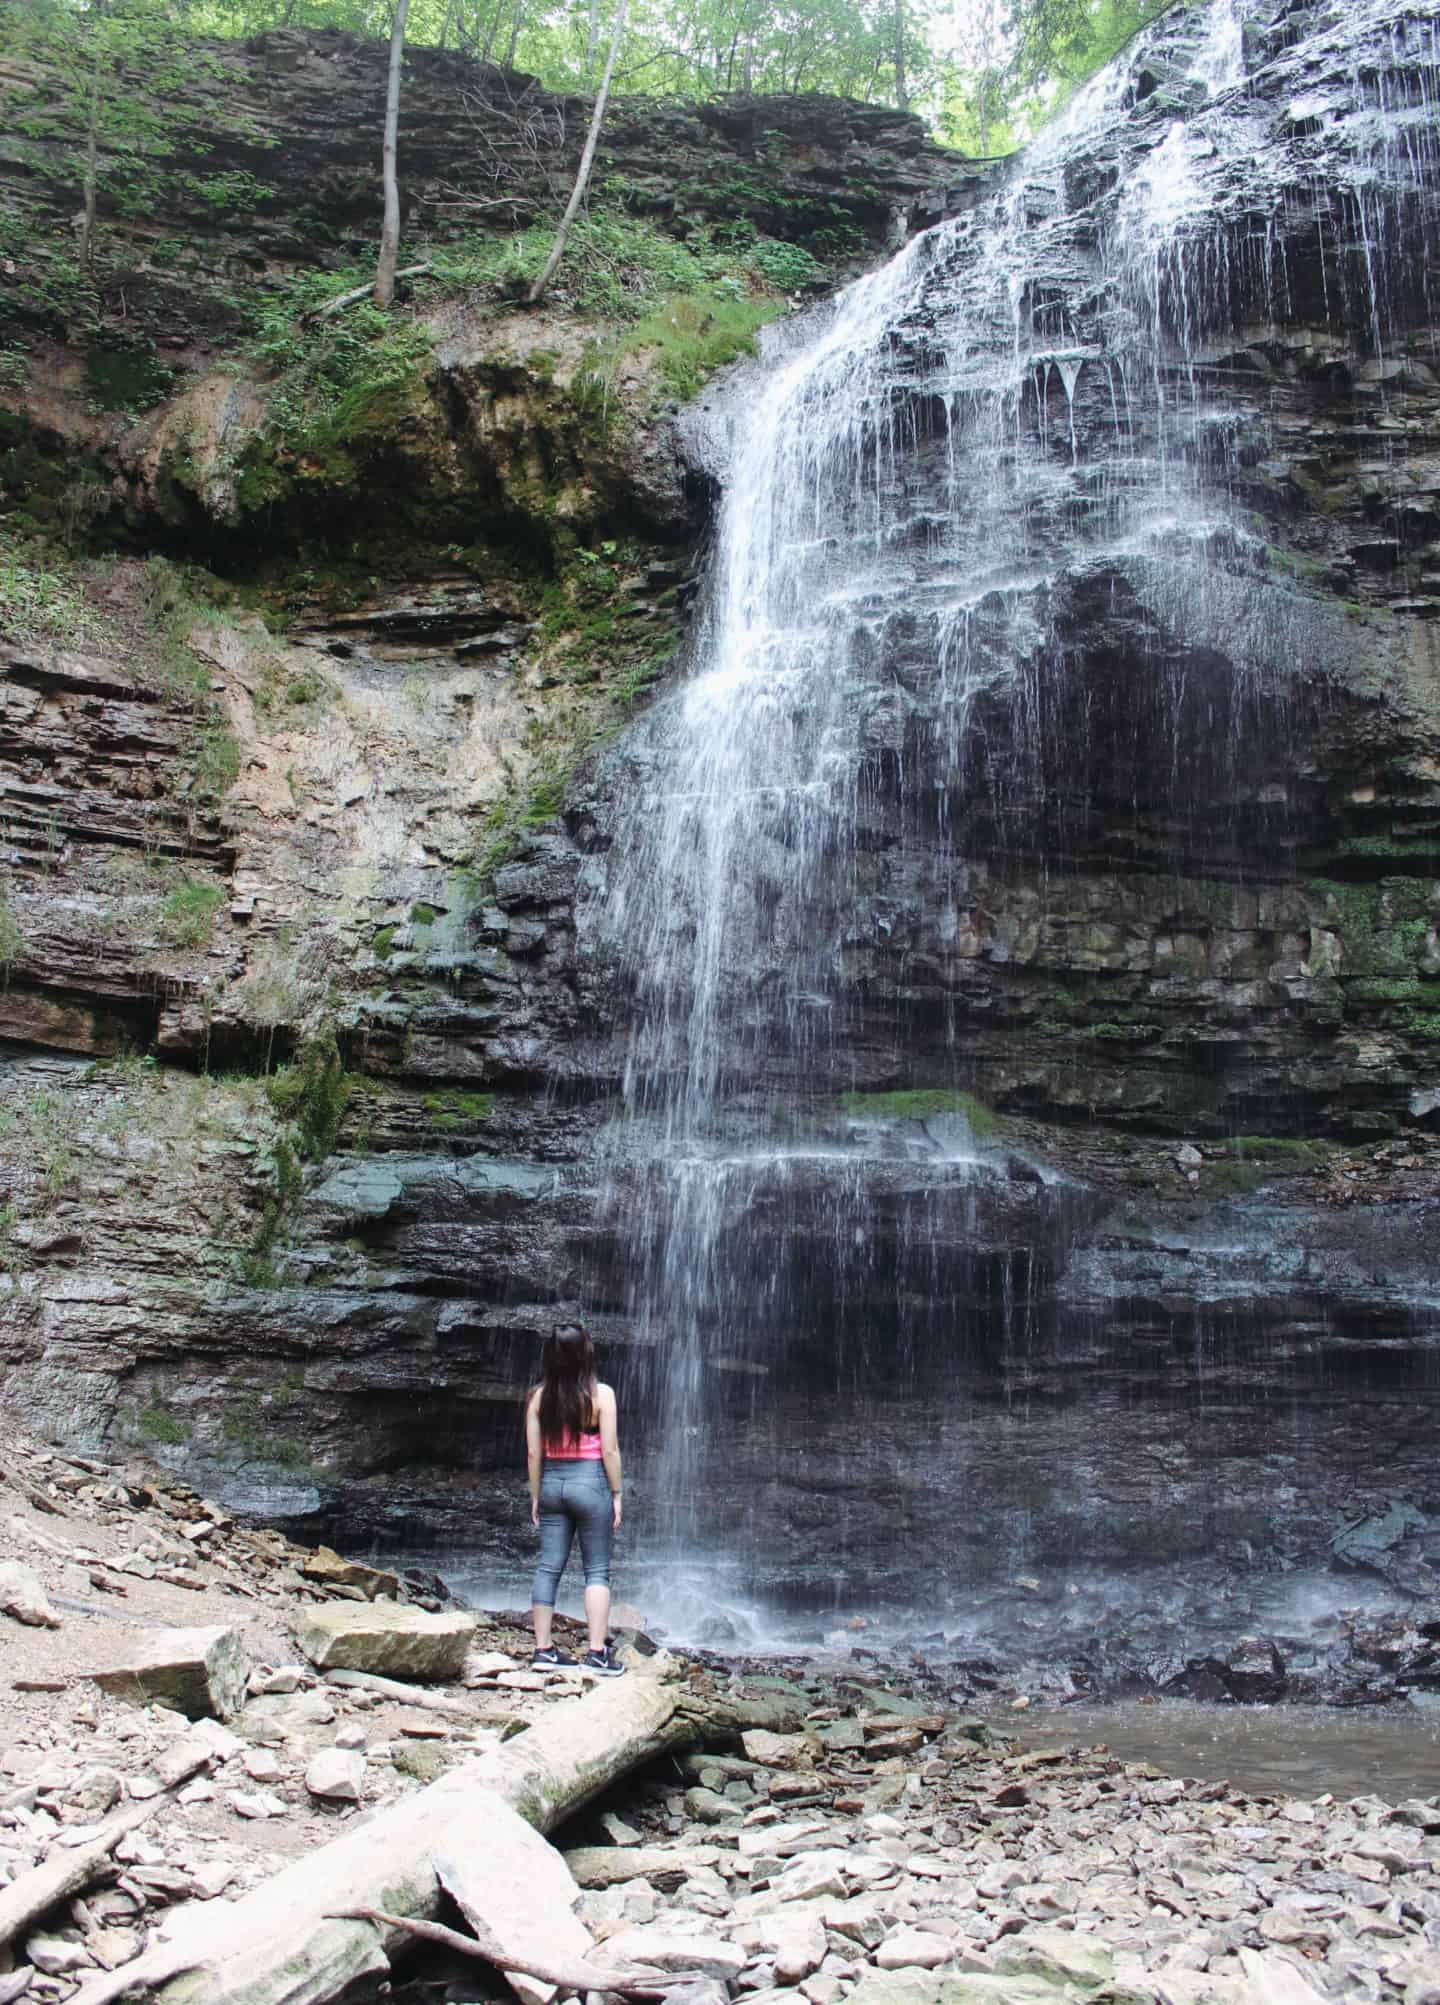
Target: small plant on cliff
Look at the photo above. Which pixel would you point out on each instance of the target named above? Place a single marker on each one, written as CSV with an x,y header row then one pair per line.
x,y
336,383
788,266
158,1423
615,264
456,1109
692,336
187,916
521,813
12,940
214,762
311,1093
38,601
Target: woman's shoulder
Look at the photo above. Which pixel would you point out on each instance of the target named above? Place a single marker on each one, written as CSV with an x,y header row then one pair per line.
x,y
604,1394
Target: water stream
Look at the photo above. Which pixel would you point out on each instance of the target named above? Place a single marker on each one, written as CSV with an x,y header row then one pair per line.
x,y
928,476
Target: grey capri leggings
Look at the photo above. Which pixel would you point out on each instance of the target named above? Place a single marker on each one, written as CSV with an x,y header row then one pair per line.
x,y
574,1496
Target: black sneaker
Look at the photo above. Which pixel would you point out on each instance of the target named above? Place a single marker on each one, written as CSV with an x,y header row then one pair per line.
x,y
602,1663
550,1659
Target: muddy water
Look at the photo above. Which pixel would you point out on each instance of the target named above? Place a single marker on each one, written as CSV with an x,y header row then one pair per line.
x,y
1264,1750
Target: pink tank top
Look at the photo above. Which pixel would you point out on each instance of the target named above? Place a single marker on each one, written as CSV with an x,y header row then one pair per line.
x,y
586,1449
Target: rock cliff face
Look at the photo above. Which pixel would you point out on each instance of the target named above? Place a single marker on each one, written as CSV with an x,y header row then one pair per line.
x,y
1160,936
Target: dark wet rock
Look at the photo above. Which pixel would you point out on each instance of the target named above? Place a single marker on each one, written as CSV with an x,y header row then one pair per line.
x,y
1255,1672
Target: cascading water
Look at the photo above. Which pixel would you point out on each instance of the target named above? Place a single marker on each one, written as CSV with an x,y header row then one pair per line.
x,y
1027,407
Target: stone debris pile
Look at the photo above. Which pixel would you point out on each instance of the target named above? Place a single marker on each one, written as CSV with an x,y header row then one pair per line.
x,y
890,1855
160,1750
848,1835
172,1535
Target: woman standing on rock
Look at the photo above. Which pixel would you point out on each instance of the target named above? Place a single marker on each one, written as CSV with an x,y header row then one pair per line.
x,y
574,1465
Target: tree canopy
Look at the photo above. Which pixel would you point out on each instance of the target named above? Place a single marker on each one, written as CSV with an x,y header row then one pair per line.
x,y
983,73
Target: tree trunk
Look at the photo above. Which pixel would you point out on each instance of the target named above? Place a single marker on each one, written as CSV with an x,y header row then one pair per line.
x,y
390,229
515,34
492,29
592,37
587,158
92,148
902,88
275,1946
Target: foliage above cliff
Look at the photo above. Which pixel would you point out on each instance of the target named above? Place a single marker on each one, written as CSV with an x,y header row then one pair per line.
x,y
981,75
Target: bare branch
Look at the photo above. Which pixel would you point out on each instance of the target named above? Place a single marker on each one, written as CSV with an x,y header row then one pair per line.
x,y
587,160
565,1977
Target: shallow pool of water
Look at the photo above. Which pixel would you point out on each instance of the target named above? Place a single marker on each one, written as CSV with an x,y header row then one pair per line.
x,y
1264,1750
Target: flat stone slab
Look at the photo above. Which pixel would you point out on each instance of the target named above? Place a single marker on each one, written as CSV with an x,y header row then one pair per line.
x,y
613,1865
22,1597
522,1892
1061,1955
916,1949
655,1946
336,1775
202,1673
391,1638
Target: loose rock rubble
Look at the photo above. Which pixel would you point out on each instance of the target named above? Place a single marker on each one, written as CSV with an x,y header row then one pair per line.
x,y
857,1841
154,1594
889,1854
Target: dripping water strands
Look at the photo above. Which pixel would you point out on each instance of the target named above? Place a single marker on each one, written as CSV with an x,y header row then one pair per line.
x,y
1027,408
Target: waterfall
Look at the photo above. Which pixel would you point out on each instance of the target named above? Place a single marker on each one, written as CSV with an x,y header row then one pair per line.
x,y
1026,406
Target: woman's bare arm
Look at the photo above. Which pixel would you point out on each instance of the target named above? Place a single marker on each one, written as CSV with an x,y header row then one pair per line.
x,y
609,1445
534,1453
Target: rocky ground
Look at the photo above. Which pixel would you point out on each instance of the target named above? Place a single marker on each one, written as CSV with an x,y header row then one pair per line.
x,y
885,1846
96,1562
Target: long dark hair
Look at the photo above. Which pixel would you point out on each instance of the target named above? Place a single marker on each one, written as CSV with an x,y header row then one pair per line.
x,y
567,1389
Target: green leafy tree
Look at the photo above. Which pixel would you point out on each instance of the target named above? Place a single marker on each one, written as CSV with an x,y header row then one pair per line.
x,y
1019,61
113,78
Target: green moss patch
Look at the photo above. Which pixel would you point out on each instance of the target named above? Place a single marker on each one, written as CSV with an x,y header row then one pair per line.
x,y
126,379
456,1109
691,335
923,1104
1382,927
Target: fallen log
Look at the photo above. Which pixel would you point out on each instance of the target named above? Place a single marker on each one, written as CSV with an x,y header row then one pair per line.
x,y
275,1946
344,299
32,1896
